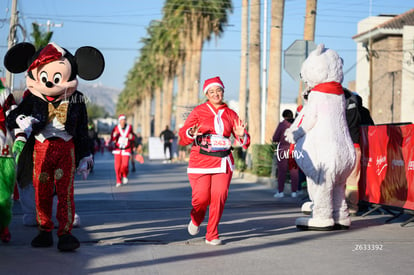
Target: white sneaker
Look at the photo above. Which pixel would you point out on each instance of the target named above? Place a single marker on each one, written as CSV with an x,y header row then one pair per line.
x,y
118,185
193,229
214,242
125,180
293,195
76,221
279,195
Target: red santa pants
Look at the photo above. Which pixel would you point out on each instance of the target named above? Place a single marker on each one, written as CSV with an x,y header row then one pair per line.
x,y
53,171
121,167
209,189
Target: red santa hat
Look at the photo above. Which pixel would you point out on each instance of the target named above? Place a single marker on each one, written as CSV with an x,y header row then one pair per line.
x,y
121,117
51,52
215,81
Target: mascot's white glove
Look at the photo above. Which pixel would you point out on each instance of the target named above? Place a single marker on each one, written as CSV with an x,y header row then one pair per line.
x,y
292,135
25,123
289,136
85,166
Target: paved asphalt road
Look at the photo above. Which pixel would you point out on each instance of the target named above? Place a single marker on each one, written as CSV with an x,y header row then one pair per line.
x,y
140,228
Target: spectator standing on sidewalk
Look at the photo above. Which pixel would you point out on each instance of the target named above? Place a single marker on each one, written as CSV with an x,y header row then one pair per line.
x,y
282,156
208,128
167,136
355,117
123,139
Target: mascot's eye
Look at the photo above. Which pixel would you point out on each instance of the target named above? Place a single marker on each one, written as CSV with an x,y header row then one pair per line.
x,y
57,77
43,77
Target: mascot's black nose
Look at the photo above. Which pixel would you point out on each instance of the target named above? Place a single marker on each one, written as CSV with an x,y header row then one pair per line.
x,y
49,84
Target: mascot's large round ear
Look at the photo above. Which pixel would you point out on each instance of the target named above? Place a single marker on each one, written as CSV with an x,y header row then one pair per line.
x,y
90,63
17,58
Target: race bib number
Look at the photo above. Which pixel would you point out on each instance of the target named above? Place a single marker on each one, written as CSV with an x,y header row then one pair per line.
x,y
219,143
123,142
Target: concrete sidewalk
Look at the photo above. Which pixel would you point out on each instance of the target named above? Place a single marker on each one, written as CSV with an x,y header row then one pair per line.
x,y
141,228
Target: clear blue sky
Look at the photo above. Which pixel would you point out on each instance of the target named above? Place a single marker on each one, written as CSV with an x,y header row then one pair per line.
x,y
116,27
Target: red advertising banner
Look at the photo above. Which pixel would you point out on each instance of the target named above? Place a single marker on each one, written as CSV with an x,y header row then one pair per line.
x,y
387,165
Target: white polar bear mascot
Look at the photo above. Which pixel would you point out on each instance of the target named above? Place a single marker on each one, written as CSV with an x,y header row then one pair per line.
x,y
324,149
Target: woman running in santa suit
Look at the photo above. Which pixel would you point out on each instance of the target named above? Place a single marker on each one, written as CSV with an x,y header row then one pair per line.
x,y
123,138
208,128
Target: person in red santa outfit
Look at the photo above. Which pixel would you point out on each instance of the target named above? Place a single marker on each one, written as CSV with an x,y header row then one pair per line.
x,y
123,139
209,128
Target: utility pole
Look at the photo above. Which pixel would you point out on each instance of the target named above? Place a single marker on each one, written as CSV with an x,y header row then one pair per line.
x,y
310,20
11,40
264,74
308,33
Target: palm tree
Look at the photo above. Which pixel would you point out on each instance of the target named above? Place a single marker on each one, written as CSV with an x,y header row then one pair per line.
x,y
275,67
244,60
199,20
41,39
254,121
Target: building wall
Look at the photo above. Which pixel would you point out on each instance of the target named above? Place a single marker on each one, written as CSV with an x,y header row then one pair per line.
x,y
387,80
407,91
362,68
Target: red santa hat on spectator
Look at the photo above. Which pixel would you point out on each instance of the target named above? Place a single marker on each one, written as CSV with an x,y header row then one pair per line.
x,y
121,117
215,81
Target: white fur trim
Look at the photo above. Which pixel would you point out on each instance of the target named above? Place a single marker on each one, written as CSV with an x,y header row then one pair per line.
x,y
188,134
58,48
212,84
221,169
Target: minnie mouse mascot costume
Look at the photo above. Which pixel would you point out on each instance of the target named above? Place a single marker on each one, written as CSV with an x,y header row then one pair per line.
x,y
54,120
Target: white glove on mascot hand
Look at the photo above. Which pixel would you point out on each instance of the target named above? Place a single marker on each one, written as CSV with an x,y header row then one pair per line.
x,y
25,123
85,166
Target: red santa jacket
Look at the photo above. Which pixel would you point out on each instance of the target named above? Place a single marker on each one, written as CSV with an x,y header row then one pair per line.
x,y
212,121
123,140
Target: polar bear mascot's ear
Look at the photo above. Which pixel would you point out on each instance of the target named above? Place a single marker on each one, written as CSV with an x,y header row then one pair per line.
x,y
322,65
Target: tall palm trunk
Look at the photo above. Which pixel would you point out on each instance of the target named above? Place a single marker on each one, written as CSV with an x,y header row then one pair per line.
x,y
196,68
244,60
165,99
181,95
146,118
187,69
157,111
136,116
254,112
167,103
275,67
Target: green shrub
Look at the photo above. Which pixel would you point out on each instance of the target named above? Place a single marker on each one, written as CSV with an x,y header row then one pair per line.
x,y
262,156
239,158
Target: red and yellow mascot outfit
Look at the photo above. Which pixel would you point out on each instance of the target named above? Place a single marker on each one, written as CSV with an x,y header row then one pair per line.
x,y
53,116
123,139
211,163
